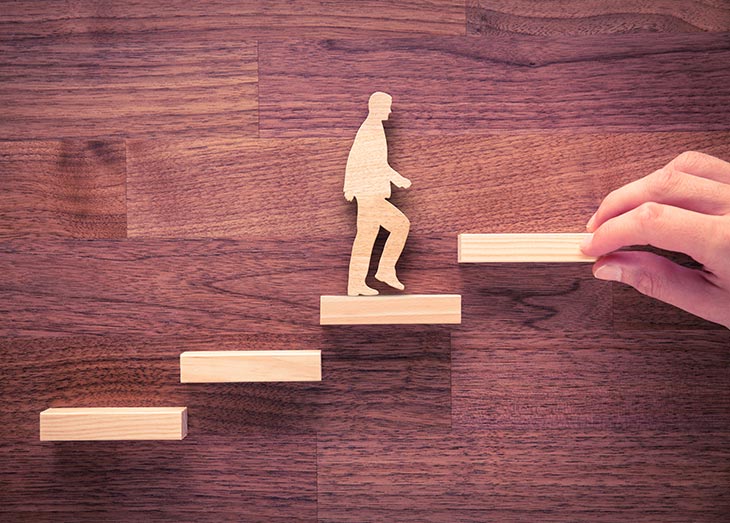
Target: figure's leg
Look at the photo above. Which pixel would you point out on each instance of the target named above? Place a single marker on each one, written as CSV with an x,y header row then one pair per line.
x,y
362,248
398,226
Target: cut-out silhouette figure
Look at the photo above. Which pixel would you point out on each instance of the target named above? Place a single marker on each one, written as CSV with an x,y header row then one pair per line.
x,y
367,179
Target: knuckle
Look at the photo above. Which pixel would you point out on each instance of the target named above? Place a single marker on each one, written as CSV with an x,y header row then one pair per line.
x,y
648,213
664,181
688,160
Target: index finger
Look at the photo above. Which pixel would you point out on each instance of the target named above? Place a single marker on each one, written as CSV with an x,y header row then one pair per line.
x,y
703,165
662,226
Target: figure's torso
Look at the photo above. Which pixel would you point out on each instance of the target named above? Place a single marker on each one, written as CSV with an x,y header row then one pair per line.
x,y
367,172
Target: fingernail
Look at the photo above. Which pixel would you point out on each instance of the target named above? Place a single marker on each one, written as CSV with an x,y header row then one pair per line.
x,y
586,242
589,225
608,273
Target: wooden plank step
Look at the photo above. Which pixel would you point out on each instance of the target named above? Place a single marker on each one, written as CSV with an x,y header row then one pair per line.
x,y
114,423
510,248
382,310
250,366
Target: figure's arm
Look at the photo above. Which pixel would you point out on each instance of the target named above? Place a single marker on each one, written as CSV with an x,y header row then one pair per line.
x,y
348,190
398,180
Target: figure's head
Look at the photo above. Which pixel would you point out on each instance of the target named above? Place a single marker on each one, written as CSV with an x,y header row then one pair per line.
x,y
379,105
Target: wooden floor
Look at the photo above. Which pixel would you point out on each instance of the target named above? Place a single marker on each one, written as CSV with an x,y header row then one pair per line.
x,y
171,180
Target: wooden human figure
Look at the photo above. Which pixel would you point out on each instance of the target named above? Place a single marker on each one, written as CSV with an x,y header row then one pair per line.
x,y
367,179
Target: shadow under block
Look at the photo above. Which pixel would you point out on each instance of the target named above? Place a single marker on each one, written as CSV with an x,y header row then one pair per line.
x,y
532,248
250,366
114,423
390,310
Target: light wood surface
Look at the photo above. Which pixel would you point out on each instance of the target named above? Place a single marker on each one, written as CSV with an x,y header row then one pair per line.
x,y
510,248
250,366
382,310
114,423
368,179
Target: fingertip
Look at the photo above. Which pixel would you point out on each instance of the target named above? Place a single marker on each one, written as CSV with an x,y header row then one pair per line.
x,y
608,272
585,244
591,225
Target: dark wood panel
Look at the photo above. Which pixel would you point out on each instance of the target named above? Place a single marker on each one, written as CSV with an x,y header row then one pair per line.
x,y
626,157
277,18
189,287
372,381
70,188
533,298
635,312
257,477
96,85
244,188
57,287
525,476
577,17
592,380
293,187
637,82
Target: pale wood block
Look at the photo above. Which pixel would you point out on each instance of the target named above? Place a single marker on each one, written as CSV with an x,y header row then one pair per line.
x,y
510,248
382,310
250,366
114,423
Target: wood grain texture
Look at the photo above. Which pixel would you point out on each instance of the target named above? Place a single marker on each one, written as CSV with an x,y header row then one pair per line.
x,y
69,188
577,17
668,381
536,297
571,475
475,183
635,312
100,85
150,287
453,84
541,247
372,382
228,19
390,310
573,399
250,366
202,478
113,423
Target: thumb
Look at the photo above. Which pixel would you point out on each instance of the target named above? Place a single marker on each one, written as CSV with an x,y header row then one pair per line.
x,y
659,278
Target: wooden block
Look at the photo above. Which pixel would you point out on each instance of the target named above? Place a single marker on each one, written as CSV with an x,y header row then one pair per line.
x,y
510,248
383,310
114,423
250,366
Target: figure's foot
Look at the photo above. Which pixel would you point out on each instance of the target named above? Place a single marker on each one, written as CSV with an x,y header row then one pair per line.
x,y
389,278
361,290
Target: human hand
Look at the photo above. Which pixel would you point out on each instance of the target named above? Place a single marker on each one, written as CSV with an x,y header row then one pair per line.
x,y
683,207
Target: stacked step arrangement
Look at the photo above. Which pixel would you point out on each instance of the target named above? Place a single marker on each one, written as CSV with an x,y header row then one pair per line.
x,y
257,366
